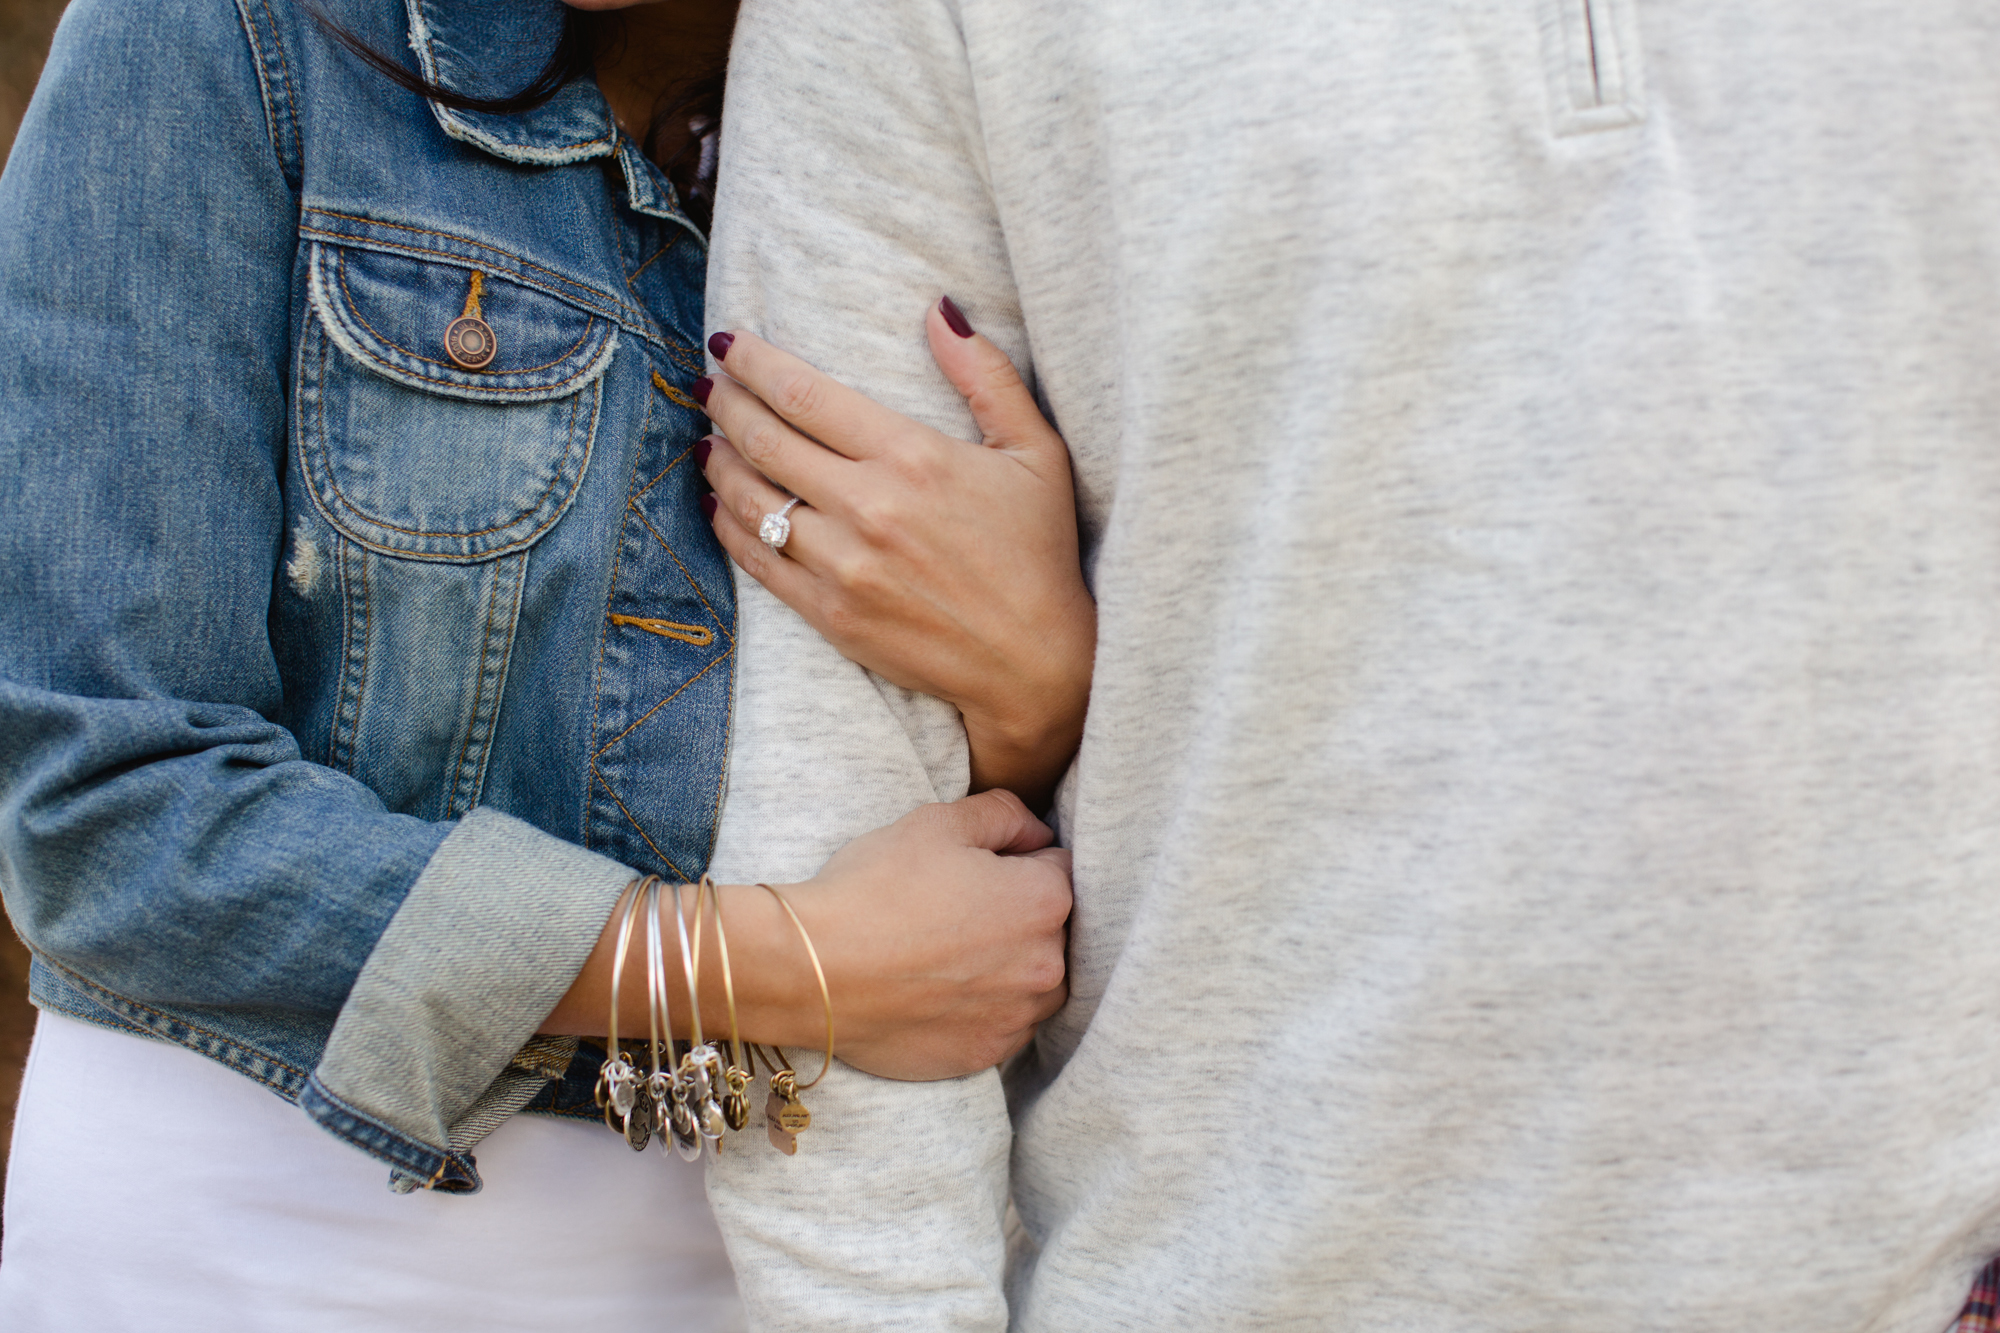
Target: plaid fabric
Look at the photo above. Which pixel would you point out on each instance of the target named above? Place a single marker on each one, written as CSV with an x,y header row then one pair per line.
x,y
1978,1315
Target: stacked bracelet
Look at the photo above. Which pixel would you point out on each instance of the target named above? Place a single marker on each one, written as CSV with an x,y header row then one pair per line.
x,y
692,1101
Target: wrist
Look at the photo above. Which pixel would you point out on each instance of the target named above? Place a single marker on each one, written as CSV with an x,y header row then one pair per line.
x,y
777,997
1025,742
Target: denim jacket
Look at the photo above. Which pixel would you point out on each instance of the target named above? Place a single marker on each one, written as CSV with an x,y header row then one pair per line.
x,y
346,675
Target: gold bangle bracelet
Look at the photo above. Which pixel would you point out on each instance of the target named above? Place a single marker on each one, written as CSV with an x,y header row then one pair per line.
x,y
627,903
722,948
690,963
736,1077
825,996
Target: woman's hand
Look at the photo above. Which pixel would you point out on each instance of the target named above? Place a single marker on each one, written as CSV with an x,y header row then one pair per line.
x,y
947,567
941,936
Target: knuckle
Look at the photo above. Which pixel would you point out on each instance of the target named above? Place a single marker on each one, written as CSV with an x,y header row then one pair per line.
x,y
924,467
755,560
846,567
1001,381
798,394
761,443
877,518
1005,797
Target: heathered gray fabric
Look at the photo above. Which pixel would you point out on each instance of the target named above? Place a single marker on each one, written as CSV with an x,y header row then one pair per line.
x,y
1538,832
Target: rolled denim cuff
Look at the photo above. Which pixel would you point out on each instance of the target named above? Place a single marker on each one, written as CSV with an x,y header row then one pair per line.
x,y
492,934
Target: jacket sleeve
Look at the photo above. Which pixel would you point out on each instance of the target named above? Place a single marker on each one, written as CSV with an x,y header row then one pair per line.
x,y
164,849
852,196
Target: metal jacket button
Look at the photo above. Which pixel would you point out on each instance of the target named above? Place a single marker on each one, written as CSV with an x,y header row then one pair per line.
x,y
469,340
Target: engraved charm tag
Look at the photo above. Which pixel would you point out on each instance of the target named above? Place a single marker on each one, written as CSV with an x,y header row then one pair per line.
x,y
781,1138
639,1124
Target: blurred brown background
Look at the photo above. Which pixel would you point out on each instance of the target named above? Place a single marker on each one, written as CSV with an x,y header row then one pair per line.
x,y
25,26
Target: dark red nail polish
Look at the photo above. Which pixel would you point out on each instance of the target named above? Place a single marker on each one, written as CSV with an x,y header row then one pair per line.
x,y
702,388
702,448
719,344
955,317
708,504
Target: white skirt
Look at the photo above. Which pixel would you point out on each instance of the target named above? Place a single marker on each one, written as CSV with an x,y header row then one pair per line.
x,y
150,1188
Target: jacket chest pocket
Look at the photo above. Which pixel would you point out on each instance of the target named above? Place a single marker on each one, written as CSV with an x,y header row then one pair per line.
x,y
443,413
443,419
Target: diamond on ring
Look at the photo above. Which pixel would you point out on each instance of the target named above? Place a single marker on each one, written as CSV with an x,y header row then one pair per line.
x,y
776,529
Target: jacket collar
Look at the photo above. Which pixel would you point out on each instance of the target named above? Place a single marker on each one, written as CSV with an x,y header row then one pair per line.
x,y
490,48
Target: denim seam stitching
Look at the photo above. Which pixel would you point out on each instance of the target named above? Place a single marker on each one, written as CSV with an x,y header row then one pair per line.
x,y
611,301
657,254
640,494
485,700
287,163
637,827
603,626
546,389
346,628
658,706
384,1141
115,1002
674,555
340,266
623,316
524,515
354,642
291,99
478,690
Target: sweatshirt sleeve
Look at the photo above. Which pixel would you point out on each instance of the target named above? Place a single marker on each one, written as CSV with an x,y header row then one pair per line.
x,y
852,196
167,851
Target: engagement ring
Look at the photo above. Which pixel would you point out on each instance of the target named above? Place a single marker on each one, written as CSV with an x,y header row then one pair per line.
x,y
776,529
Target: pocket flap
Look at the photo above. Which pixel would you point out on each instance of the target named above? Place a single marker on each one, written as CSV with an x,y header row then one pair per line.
x,y
412,455
392,315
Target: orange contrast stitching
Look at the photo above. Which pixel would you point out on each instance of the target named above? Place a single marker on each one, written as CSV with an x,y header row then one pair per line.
x,y
656,708
675,395
478,691
656,255
603,639
334,486
445,235
675,557
697,635
636,825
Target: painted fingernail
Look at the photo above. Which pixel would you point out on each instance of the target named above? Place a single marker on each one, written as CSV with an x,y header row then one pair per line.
x,y
708,504
702,388
719,343
702,448
955,317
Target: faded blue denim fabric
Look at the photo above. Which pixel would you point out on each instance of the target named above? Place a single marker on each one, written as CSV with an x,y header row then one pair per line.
x,y
328,729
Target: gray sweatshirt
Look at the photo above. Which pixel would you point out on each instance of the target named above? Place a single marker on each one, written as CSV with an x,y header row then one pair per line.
x,y
1538,831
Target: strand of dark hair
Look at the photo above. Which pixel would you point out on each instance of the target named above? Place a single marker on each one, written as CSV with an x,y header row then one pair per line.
x,y
696,101
575,56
